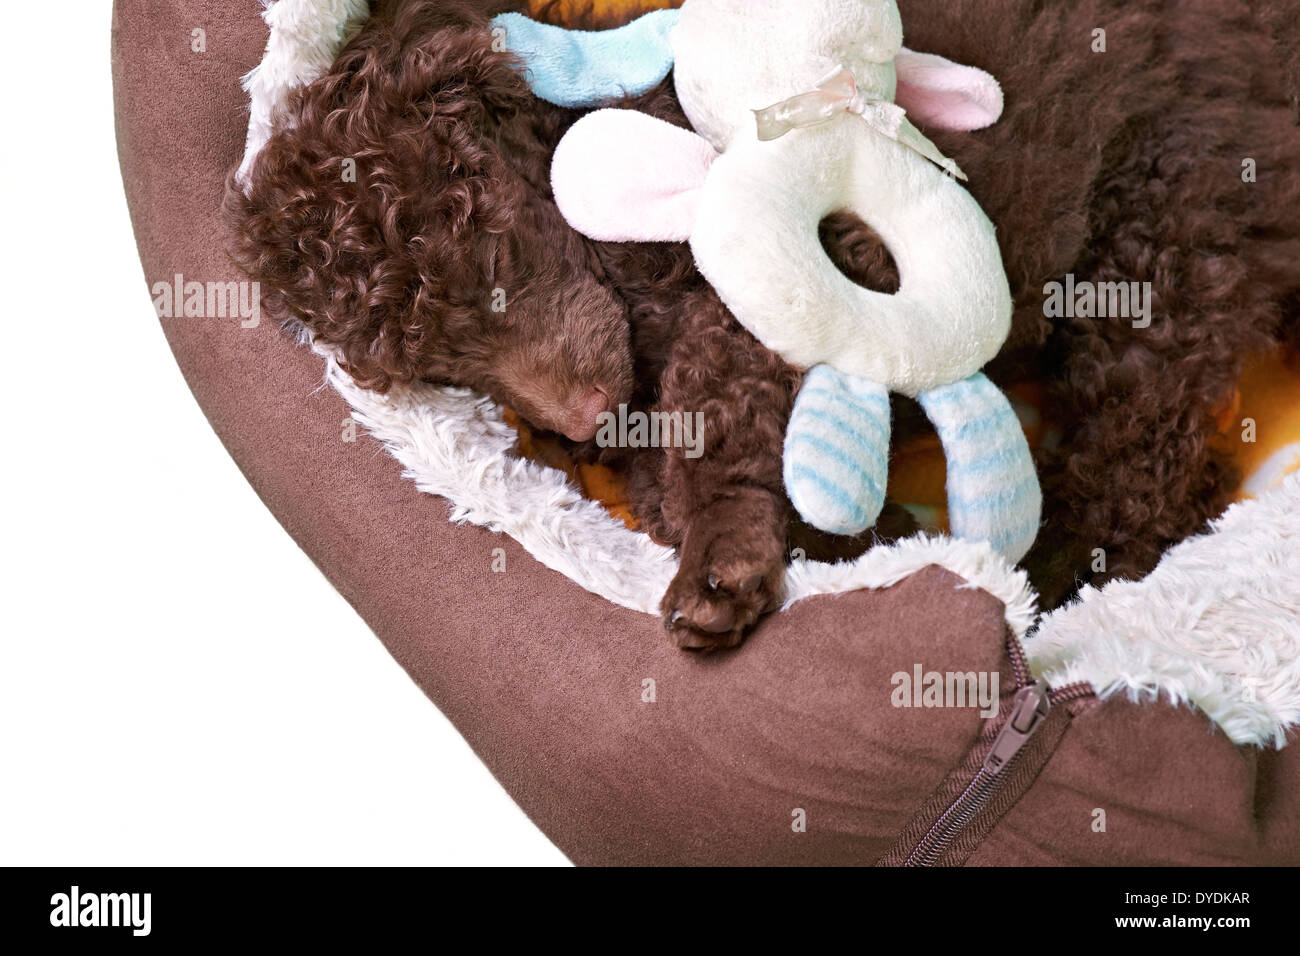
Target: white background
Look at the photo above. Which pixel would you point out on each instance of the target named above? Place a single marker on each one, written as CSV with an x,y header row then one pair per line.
x,y
178,683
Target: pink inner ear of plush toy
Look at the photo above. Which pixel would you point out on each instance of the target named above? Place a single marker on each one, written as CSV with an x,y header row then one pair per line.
x,y
623,176
942,93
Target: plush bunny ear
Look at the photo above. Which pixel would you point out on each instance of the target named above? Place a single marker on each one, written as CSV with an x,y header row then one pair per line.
x,y
623,176
942,93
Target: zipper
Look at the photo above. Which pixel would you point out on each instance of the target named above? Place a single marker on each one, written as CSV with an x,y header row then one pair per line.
x,y
1029,708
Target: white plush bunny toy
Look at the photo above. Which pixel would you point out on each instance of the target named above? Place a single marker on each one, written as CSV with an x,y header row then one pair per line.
x,y
803,108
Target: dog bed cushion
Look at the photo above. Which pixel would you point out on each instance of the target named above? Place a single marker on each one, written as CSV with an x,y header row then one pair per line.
x,y
621,748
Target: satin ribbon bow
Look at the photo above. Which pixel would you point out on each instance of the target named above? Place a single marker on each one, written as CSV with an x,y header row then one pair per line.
x,y
838,93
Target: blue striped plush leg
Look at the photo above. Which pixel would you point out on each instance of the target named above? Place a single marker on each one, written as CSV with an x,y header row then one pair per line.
x,y
993,492
837,451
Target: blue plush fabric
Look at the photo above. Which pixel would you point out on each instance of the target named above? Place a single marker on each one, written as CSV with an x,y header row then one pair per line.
x,y
837,451
580,68
837,458
993,491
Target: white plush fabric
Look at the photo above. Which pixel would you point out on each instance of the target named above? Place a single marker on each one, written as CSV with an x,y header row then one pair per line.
x,y
620,175
756,238
1216,625
735,56
761,205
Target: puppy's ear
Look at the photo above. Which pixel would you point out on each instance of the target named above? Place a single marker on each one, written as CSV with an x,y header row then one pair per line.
x,y
939,92
319,264
623,176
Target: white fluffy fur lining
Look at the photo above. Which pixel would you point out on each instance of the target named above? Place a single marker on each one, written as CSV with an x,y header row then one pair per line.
x,y
1216,625
456,444
885,565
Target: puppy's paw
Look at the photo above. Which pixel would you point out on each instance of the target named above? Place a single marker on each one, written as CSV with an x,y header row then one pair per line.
x,y
732,564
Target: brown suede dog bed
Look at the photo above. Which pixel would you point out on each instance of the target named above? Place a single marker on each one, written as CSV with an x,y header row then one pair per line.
x,y
1171,696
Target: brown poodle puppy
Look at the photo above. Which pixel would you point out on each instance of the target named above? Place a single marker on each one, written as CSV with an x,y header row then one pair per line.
x,y
447,260
1120,165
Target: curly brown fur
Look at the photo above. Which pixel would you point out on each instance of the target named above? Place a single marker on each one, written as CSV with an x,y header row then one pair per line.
x,y
445,259
1126,166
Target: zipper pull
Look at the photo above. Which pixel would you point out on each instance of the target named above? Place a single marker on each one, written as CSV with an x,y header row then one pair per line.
x,y
1028,711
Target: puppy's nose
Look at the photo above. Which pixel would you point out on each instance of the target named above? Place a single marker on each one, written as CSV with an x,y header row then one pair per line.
x,y
585,412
